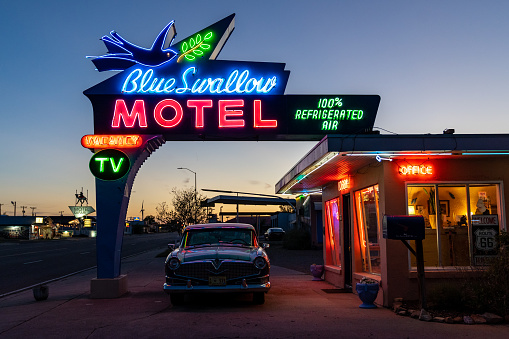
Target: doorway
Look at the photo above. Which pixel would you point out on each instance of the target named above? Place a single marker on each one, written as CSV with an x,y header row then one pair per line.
x,y
347,259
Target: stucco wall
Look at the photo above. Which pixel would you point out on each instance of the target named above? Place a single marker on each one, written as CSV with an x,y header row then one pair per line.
x,y
396,278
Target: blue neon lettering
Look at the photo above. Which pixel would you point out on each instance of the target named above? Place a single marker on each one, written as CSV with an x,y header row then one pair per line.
x,y
145,80
184,80
237,82
134,86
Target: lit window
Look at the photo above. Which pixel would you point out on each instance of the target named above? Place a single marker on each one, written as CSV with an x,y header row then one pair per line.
x,y
462,221
368,228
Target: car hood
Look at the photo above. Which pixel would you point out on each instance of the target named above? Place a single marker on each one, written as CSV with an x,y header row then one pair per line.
x,y
217,252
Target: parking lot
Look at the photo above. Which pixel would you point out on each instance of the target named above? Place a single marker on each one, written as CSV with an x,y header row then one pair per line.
x,y
296,307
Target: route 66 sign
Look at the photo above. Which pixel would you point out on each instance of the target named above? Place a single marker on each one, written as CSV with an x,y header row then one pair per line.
x,y
485,229
485,239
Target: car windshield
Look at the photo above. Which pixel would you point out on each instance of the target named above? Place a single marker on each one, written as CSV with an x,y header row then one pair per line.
x,y
219,236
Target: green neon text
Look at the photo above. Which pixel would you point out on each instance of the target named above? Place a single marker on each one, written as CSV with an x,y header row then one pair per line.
x,y
329,114
101,160
114,167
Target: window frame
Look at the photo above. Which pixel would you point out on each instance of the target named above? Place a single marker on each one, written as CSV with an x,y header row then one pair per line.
x,y
499,185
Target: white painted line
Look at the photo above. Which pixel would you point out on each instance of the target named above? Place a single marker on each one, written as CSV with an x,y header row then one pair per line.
x,y
31,262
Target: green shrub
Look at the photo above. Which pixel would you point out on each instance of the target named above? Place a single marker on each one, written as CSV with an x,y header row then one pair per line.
x,y
490,291
297,239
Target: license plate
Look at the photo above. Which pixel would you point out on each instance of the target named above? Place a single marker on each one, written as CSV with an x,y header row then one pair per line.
x,y
217,281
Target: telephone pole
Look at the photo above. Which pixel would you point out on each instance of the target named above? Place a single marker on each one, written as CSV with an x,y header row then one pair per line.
x,y
33,208
23,209
1,208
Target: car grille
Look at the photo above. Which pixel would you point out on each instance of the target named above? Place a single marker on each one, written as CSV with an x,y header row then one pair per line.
x,y
204,269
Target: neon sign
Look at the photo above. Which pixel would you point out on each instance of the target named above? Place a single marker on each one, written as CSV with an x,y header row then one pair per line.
x,y
109,164
237,82
111,141
228,115
416,170
328,113
193,96
344,184
195,47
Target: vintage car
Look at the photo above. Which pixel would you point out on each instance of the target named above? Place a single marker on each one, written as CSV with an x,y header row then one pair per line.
x,y
221,257
274,233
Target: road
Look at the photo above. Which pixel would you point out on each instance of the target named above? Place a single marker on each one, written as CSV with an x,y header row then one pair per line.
x,y
26,263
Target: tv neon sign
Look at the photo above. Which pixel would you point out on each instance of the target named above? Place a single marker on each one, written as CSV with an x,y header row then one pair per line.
x,y
111,141
109,164
416,170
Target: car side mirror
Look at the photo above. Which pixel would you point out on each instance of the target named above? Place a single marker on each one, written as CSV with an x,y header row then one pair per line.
x,y
265,245
171,247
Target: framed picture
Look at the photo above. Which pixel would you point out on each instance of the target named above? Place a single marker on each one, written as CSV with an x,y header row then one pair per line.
x,y
444,207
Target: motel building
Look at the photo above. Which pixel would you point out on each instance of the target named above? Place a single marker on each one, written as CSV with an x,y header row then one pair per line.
x,y
458,183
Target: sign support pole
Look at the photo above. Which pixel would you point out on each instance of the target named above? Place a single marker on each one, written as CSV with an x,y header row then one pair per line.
x,y
419,255
112,202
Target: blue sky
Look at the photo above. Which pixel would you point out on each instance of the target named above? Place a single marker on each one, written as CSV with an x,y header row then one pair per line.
x,y
435,64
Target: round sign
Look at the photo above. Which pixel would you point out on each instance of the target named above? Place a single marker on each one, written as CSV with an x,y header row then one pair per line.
x,y
109,164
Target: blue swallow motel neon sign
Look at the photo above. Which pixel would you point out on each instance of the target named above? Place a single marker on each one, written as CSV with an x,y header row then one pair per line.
x,y
237,82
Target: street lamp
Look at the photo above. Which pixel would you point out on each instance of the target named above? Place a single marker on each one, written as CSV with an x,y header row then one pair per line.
x,y
14,203
195,198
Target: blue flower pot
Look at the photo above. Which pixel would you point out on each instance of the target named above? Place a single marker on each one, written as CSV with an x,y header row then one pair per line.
x,y
367,293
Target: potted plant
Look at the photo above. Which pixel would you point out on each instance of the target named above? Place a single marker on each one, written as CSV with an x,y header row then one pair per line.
x,y
317,271
367,289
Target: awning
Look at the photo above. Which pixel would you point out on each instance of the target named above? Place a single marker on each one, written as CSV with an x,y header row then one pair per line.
x,y
336,156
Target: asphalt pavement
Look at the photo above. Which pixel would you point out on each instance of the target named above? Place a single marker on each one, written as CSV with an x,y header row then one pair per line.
x,y
295,307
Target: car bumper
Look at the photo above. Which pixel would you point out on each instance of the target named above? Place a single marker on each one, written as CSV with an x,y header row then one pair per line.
x,y
217,289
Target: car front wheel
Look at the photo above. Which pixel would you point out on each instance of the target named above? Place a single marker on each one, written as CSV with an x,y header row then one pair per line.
x,y
177,299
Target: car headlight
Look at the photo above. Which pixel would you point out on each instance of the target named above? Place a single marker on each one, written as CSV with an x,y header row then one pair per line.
x,y
260,263
174,263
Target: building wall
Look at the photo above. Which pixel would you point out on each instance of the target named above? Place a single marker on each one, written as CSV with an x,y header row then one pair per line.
x,y
396,279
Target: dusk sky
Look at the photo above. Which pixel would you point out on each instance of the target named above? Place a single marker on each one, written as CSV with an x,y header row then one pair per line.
x,y
435,64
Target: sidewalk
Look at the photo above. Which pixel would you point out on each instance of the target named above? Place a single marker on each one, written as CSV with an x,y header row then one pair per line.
x,y
296,307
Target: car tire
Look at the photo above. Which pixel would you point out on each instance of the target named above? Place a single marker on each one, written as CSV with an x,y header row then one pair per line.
x,y
259,298
177,299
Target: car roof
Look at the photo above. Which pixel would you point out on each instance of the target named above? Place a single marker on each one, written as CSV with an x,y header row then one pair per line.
x,y
219,225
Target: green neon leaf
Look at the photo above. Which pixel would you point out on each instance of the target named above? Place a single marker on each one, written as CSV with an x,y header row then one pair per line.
x,y
208,36
205,46
184,47
198,52
190,57
192,43
198,38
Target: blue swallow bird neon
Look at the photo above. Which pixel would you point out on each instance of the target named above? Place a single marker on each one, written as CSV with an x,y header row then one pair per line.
x,y
122,54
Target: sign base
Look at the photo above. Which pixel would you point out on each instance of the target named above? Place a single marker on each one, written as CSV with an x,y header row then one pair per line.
x,y
108,288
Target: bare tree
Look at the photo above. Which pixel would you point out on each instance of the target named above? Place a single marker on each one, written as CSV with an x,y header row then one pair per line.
x,y
187,206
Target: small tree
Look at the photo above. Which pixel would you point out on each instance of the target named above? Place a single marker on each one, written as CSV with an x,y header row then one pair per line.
x,y
150,220
187,206
167,219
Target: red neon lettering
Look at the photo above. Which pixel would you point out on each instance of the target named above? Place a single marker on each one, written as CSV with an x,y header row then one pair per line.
x,y
199,105
224,113
129,119
158,113
111,141
258,122
416,170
